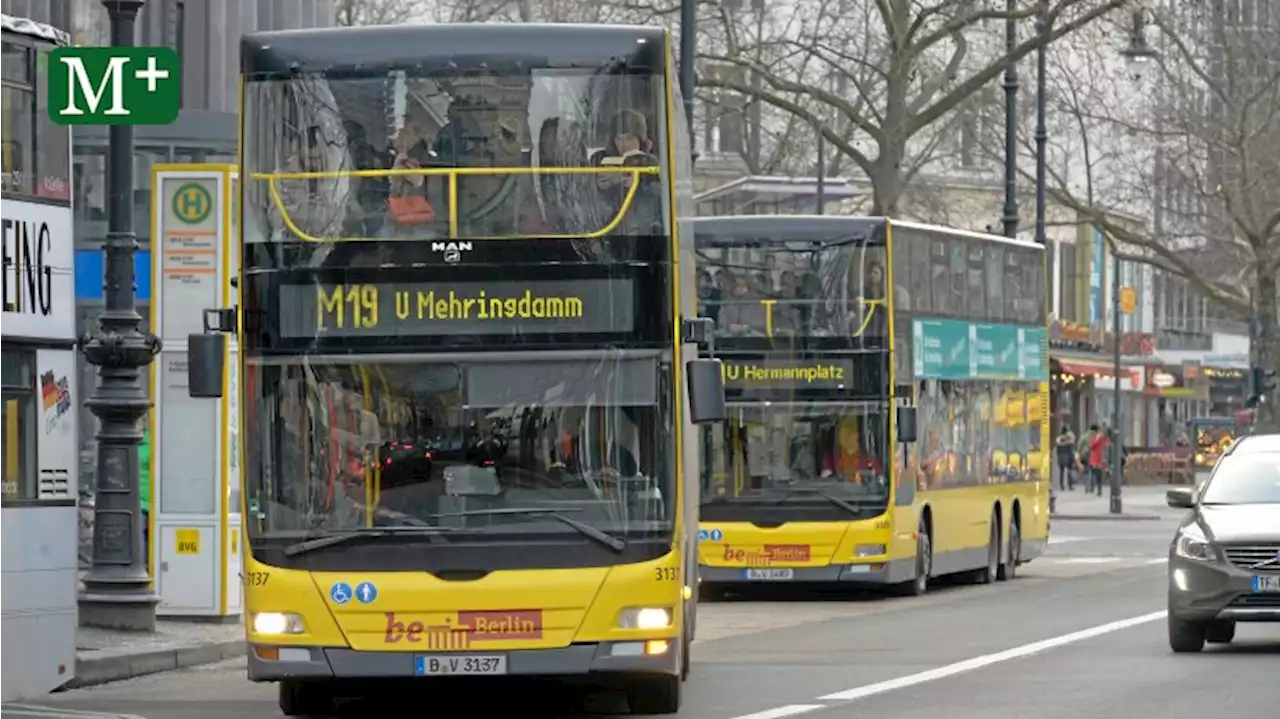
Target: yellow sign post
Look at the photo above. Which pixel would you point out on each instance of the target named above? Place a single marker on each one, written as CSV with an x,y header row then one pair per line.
x,y
1128,300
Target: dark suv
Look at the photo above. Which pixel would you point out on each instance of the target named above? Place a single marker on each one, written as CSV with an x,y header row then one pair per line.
x,y
1224,563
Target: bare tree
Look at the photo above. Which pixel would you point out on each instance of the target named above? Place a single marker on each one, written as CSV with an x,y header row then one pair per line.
x,y
877,76
1196,149
348,13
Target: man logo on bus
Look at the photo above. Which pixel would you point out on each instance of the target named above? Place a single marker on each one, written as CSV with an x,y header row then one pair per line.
x,y
460,632
452,250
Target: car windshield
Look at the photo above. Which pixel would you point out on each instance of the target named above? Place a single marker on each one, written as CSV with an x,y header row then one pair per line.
x,y
484,447
800,452
1245,479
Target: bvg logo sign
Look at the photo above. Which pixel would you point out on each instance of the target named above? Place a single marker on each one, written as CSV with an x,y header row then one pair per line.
x,y
114,86
466,629
192,203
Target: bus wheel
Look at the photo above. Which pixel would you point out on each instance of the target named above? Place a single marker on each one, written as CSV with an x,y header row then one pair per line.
x,y
924,564
991,571
685,646
655,694
299,698
1009,569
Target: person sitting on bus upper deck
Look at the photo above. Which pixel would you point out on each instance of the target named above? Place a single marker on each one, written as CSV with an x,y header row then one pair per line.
x,y
628,146
742,315
708,296
809,306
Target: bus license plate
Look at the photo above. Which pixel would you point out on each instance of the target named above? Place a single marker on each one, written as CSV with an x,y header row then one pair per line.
x,y
770,575
1266,584
446,665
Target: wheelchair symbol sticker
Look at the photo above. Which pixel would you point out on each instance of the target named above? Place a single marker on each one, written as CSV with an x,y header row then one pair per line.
x,y
714,535
703,535
340,593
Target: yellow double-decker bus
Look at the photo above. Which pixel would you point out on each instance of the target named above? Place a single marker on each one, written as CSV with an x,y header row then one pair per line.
x,y
466,359
888,403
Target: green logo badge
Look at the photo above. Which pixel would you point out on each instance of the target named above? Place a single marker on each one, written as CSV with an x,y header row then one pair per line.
x,y
192,203
114,86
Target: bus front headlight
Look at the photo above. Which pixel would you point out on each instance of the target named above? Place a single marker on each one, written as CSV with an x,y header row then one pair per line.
x,y
644,618
277,623
869,550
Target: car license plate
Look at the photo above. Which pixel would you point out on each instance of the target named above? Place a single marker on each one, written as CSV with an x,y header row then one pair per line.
x,y
447,665
770,575
1266,584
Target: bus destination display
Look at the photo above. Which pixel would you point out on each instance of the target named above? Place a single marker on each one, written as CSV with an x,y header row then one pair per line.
x,y
420,309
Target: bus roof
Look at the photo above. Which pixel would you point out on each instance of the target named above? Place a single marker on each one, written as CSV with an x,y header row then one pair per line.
x,y
451,47
807,227
784,227
33,29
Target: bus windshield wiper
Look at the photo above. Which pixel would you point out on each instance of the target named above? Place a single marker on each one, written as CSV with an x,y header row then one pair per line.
x,y
558,515
818,492
329,540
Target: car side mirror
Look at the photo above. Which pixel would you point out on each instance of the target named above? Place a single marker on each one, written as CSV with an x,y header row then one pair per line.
x,y
706,391
906,424
1180,498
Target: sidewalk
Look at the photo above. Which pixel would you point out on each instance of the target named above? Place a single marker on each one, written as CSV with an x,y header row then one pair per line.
x,y
104,655
1144,502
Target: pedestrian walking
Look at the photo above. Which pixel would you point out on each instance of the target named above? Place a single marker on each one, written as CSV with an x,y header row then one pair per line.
x,y
1066,449
1098,445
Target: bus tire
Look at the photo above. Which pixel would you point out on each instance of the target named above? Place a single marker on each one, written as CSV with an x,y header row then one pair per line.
x,y
988,573
686,645
301,699
1009,568
650,694
924,564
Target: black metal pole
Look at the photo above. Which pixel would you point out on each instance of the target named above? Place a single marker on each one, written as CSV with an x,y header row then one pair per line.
x,y
1010,218
688,59
1042,131
1042,140
822,172
116,591
1117,423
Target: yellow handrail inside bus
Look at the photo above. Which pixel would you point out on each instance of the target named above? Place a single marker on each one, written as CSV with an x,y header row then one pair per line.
x,y
453,173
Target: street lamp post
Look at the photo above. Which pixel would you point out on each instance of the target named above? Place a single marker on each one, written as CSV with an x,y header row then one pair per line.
x,y
1010,215
1042,139
822,171
688,57
117,592
1137,53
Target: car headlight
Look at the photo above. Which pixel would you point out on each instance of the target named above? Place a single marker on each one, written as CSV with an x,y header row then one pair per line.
x,y
644,618
277,623
869,550
1192,544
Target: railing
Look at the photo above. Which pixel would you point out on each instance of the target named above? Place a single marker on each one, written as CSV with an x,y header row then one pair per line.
x,y
800,327
453,173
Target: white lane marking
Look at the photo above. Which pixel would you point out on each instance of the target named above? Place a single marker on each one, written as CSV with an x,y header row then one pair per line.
x,y
1088,560
784,711
48,712
1161,560
1067,540
969,665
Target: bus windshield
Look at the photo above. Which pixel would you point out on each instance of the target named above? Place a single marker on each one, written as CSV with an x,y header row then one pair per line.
x,y
363,155
466,446
799,455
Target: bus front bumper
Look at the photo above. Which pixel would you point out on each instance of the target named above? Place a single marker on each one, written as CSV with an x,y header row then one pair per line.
x,y
883,573
346,663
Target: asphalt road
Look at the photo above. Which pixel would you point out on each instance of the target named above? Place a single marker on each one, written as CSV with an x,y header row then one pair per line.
x,y
1079,634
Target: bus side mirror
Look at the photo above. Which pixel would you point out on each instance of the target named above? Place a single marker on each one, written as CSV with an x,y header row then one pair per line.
x,y
906,424
706,391
206,358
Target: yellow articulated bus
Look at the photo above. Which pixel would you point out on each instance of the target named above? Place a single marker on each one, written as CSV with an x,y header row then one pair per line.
x,y
465,359
887,398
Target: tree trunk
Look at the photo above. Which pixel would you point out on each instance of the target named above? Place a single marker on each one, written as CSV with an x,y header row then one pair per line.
x,y
1266,351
